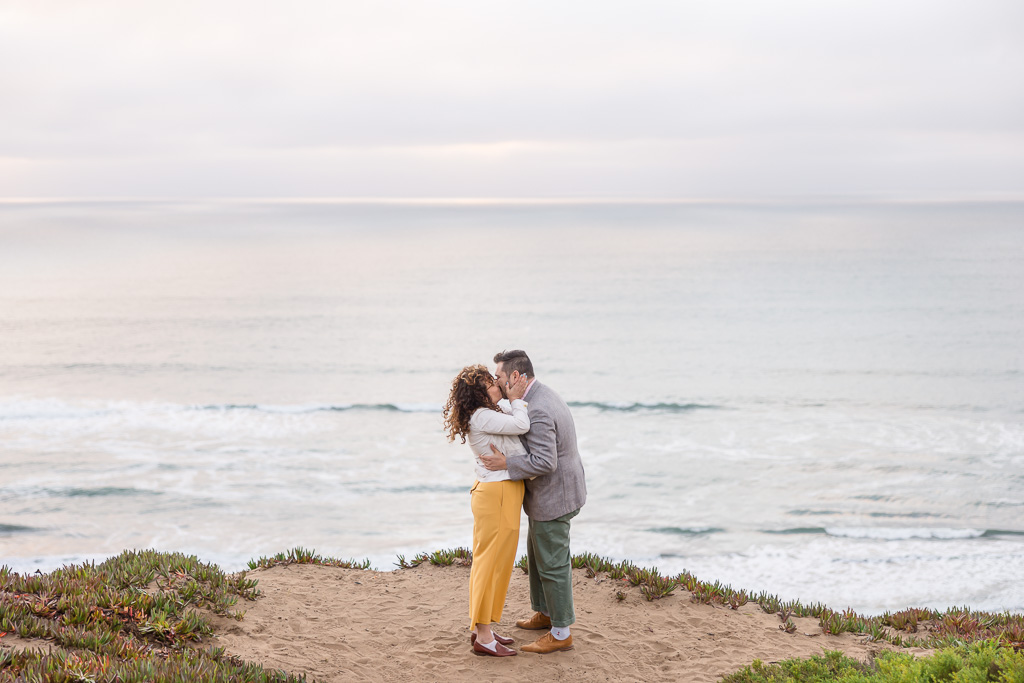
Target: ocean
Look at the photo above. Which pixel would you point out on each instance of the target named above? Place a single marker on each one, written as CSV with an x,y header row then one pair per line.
x,y
823,400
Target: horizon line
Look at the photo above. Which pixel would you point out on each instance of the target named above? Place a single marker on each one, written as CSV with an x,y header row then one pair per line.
x,y
987,198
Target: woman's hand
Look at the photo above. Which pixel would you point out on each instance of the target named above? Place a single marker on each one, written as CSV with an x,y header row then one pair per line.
x,y
518,388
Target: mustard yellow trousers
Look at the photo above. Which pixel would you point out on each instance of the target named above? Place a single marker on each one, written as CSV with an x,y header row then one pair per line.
x,y
497,506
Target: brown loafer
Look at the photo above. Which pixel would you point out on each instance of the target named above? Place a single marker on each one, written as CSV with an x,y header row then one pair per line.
x,y
499,650
501,639
537,621
547,644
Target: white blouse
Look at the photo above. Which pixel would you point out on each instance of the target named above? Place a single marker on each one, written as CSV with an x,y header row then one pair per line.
x,y
488,426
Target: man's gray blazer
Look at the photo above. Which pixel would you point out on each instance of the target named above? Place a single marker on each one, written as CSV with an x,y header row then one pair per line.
x,y
551,457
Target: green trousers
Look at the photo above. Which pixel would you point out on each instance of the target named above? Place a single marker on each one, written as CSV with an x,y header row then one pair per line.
x,y
550,565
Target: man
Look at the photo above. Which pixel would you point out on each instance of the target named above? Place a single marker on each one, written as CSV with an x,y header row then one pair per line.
x,y
555,492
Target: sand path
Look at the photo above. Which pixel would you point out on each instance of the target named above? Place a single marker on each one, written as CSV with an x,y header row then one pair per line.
x,y
343,625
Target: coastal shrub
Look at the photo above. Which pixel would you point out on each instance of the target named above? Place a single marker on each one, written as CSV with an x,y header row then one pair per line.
x,y
687,580
815,609
592,562
300,555
177,667
769,603
908,619
912,627
830,666
440,558
704,594
976,662
834,623
585,560
446,558
621,570
638,576
656,587
737,599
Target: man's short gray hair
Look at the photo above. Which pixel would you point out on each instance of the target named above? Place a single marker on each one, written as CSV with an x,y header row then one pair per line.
x,y
515,360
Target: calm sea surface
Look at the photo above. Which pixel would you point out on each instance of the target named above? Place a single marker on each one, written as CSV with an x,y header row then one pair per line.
x,y
822,401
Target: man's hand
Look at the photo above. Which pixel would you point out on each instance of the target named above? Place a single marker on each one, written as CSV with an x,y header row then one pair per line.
x,y
495,461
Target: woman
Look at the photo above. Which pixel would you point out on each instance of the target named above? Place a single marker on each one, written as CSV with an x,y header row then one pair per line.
x,y
472,413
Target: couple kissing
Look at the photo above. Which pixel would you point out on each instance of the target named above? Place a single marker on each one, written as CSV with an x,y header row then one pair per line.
x,y
525,458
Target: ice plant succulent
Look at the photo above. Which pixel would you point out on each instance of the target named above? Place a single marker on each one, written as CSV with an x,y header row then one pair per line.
x,y
135,617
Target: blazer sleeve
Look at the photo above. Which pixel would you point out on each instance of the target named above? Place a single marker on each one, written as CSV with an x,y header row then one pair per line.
x,y
493,422
542,446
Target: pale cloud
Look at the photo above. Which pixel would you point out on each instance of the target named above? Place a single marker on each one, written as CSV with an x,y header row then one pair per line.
x,y
486,99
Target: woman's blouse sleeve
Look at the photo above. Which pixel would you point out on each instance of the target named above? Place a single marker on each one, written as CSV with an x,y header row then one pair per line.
x,y
493,422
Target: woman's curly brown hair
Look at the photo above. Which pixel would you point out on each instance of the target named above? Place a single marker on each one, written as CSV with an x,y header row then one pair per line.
x,y
469,392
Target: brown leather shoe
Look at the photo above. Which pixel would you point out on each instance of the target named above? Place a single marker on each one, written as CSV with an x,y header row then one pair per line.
x,y
499,650
501,639
537,621
547,643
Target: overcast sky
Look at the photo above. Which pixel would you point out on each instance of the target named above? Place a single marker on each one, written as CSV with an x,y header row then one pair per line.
x,y
440,98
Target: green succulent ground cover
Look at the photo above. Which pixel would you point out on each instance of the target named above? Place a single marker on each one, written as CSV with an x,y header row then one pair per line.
x,y
142,616
972,663
139,616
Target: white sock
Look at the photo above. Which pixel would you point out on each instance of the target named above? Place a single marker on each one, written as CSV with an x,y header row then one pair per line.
x,y
492,646
545,614
560,632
